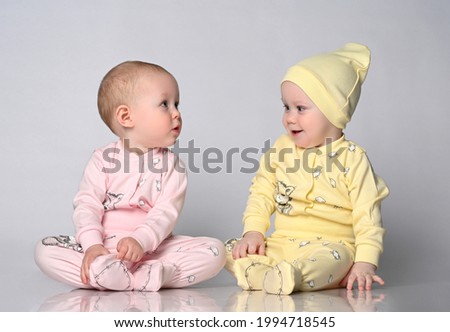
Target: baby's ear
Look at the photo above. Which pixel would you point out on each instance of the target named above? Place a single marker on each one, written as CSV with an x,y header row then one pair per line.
x,y
123,116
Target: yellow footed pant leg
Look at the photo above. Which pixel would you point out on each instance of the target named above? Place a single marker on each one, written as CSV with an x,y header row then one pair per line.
x,y
325,265
251,270
283,279
311,266
248,271
308,266
292,265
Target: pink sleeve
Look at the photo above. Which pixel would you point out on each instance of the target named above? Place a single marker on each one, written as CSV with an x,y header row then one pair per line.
x,y
88,203
162,218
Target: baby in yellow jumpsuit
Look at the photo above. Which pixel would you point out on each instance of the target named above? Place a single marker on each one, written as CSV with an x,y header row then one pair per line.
x,y
325,195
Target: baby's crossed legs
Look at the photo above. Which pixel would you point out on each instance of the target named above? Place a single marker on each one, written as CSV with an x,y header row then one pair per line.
x,y
179,261
300,266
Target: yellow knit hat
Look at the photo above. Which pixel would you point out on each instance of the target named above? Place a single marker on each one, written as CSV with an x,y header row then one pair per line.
x,y
333,80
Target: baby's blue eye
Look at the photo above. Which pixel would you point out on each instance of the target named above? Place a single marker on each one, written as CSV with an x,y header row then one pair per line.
x,y
164,104
285,108
300,108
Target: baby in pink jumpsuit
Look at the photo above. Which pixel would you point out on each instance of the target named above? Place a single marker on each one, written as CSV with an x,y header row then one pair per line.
x,y
131,195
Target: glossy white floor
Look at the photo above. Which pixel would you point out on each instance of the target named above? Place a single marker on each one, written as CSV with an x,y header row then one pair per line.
x,y
34,292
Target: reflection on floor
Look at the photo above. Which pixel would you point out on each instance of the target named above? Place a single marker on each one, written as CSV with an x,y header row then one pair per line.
x,y
335,300
165,300
202,299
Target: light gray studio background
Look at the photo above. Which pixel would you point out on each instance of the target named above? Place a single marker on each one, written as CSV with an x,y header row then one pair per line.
x,y
228,57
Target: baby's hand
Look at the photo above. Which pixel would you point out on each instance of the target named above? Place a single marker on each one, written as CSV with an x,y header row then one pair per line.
x,y
129,249
251,243
363,274
91,253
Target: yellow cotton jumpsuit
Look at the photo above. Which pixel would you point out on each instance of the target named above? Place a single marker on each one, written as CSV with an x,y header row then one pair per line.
x,y
327,214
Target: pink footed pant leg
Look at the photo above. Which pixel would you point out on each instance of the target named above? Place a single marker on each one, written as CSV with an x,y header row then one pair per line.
x,y
186,261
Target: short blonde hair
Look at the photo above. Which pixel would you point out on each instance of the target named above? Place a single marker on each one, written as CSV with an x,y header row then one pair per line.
x,y
118,87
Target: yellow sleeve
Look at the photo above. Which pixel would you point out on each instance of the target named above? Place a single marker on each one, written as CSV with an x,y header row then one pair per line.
x,y
366,191
261,204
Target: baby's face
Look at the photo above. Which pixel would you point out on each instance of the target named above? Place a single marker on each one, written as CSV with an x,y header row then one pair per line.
x,y
304,122
157,120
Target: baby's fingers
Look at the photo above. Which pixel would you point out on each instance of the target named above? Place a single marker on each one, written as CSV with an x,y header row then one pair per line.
x,y
378,279
240,251
251,249
122,250
84,274
350,281
262,250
